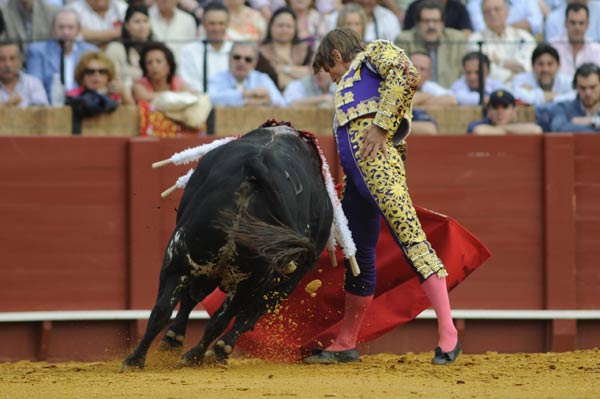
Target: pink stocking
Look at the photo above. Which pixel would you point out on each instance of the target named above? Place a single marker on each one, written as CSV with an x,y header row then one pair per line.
x,y
437,292
355,309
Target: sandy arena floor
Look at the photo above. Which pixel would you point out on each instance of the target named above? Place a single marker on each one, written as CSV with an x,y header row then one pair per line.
x,y
554,375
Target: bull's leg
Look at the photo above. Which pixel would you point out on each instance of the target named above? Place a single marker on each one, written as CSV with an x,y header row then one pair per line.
x,y
169,293
173,339
245,321
216,325
248,316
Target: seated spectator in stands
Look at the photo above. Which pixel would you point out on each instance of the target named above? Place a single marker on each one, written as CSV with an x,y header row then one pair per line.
x,y
466,89
352,16
242,85
501,118
216,48
544,84
555,22
455,13
422,123
523,14
312,25
290,57
246,22
445,46
158,73
18,89
171,26
101,20
573,47
313,90
583,113
508,48
96,72
267,7
125,54
381,22
44,58
429,92
27,20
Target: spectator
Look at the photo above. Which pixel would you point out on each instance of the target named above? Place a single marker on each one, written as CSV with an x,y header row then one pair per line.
x,y
455,13
216,48
96,72
125,54
381,22
501,118
312,25
581,114
158,73
311,91
171,25
27,20
100,19
466,89
18,89
508,48
544,84
289,56
422,123
267,7
246,22
522,14
352,16
445,46
242,85
429,92
44,58
555,22
573,47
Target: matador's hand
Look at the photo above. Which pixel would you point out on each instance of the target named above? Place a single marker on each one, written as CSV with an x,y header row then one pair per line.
x,y
375,140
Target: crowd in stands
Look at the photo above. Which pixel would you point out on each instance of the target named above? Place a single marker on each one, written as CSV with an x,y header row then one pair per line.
x,y
164,54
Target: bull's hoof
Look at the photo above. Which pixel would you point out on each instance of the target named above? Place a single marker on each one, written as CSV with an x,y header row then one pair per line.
x,y
191,359
132,364
171,342
218,354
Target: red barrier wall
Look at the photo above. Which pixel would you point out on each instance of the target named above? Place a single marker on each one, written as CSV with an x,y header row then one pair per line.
x,y
84,227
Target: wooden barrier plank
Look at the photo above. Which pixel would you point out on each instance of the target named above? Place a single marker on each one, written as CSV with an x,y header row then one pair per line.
x,y
63,223
561,288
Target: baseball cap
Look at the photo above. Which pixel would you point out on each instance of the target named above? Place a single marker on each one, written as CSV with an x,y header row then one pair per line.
x,y
501,97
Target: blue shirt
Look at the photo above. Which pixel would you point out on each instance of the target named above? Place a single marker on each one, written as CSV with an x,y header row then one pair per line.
x,y
223,89
562,114
474,124
466,96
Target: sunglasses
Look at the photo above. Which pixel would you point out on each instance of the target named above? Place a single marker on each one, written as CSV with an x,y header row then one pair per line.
x,y
238,57
92,71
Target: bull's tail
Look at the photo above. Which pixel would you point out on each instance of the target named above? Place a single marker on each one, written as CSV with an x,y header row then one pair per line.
x,y
277,243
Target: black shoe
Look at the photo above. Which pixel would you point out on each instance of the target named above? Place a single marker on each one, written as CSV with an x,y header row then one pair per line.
x,y
331,357
442,358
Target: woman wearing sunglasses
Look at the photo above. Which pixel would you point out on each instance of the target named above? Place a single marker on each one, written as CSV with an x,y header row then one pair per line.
x,y
96,72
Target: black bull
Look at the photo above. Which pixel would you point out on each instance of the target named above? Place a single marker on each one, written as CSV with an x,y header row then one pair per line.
x,y
252,221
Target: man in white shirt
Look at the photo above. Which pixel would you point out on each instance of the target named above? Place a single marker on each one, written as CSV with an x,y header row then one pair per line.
x,y
508,48
523,14
215,47
573,46
466,89
381,22
172,26
101,20
555,21
242,85
18,89
544,84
